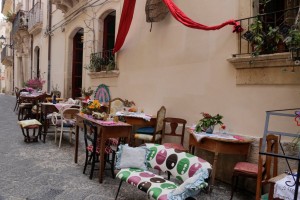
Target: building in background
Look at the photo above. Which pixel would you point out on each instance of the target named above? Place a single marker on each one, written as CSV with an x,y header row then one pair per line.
x,y
69,44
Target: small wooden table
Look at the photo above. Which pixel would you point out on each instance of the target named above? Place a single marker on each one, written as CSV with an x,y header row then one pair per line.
x,y
219,145
106,131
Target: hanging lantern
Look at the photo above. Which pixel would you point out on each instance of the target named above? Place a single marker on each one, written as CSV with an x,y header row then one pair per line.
x,y
156,10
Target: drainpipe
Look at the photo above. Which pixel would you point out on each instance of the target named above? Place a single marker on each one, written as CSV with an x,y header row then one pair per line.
x,y
49,44
31,56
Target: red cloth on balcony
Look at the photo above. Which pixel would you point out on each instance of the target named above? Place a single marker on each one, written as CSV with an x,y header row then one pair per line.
x,y
181,17
125,22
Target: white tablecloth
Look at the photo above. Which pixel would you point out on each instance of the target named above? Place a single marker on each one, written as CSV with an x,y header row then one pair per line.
x,y
134,114
283,191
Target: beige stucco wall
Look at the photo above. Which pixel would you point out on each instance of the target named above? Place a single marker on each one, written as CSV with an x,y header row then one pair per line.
x,y
186,70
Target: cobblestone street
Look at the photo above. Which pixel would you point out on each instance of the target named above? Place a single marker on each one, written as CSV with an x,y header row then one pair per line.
x,y
42,171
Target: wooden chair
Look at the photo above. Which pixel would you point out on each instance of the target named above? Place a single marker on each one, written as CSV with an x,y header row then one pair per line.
x,y
152,134
173,123
268,166
115,105
66,123
92,148
252,170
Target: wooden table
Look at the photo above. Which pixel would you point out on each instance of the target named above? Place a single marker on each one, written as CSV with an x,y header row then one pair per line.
x,y
120,129
217,146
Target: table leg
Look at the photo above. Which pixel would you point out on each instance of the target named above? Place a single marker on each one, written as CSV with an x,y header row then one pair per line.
x,y
214,169
76,143
102,156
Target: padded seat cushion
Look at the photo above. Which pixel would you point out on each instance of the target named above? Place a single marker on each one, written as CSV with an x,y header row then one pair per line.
x,y
145,130
154,185
245,167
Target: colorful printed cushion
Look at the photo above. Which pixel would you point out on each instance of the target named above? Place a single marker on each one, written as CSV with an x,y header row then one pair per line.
x,y
180,164
134,157
154,185
246,167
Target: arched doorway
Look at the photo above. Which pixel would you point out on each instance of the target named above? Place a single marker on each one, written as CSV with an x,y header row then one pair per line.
x,y
77,64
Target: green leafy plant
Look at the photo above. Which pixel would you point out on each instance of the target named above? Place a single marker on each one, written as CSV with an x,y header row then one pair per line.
x,y
87,92
258,36
208,121
95,63
293,38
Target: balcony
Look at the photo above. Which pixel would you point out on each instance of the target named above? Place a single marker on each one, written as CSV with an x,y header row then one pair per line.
x,y
263,55
35,16
65,5
6,56
20,23
102,65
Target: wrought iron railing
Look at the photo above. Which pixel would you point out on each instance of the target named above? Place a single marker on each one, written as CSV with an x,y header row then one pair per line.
x,y
103,61
281,23
20,22
35,15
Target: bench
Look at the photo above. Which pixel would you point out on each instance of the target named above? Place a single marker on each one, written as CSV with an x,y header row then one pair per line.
x,y
188,169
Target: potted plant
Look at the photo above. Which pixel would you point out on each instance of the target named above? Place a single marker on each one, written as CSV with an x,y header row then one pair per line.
x,y
293,38
208,122
87,93
95,63
35,83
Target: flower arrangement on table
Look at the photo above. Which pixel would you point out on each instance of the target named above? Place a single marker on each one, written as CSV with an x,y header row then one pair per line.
x,y
207,123
35,83
29,89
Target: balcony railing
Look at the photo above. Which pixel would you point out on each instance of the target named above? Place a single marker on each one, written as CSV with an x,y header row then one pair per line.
x,y
35,15
272,25
6,56
20,22
103,61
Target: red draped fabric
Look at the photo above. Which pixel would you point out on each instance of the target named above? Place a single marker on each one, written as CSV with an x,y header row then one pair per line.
x,y
181,17
125,22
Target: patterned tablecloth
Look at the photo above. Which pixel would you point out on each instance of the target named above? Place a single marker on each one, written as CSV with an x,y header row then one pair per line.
x,y
134,114
285,188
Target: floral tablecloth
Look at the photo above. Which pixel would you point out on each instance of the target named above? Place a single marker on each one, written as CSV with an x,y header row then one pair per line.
x,y
134,114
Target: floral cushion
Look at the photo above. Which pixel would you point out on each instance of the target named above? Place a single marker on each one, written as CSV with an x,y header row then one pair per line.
x,y
154,185
246,167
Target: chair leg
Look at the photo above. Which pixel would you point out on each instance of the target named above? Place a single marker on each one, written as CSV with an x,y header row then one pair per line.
x,y
55,133
234,181
112,167
119,189
60,138
86,161
93,165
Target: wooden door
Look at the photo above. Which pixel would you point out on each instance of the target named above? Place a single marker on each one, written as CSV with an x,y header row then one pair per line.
x,y
77,64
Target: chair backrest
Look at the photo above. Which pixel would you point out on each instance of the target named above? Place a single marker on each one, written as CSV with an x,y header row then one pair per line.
x,y
90,134
115,105
268,167
173,123
17,92
161,114
69,113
